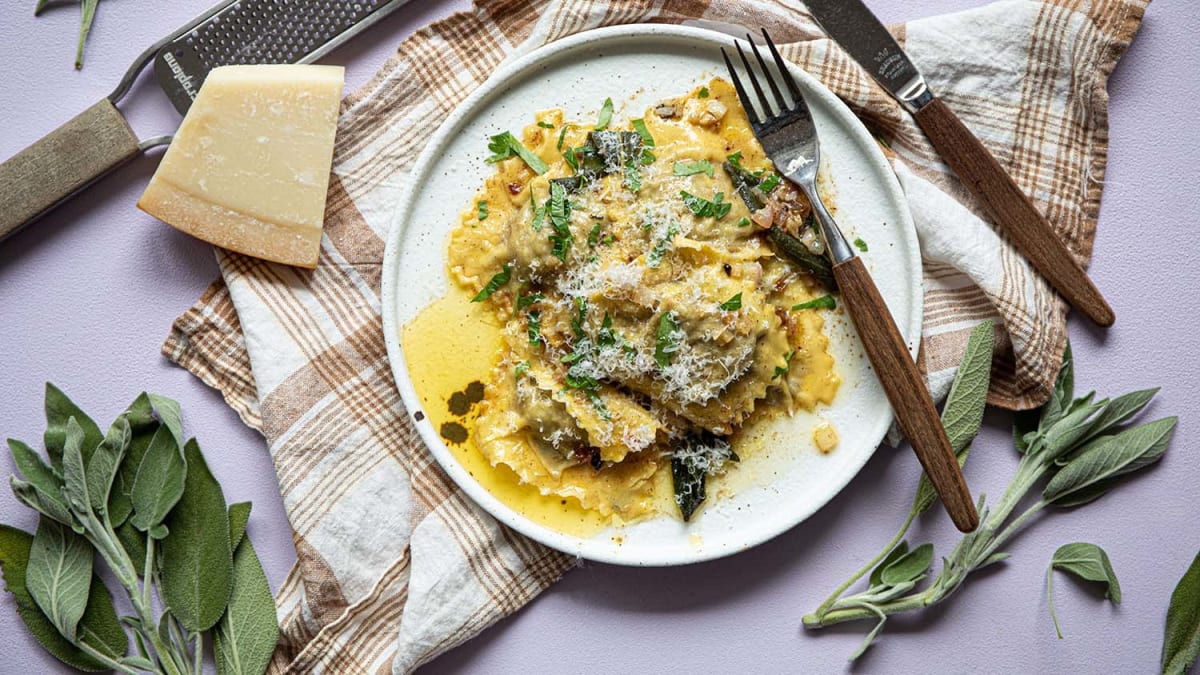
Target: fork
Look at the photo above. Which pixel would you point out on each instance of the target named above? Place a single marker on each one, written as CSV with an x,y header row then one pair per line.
x,y
789,137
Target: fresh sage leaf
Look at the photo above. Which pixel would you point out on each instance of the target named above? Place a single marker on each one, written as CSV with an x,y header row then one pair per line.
x,y
59,409
1072,427
59,575
74,472
1111,456
102,630
1120,410
963,413
1064,392
44,485
139,662
245,637
1086,561
152,409
239,516
134,543
159,482
994,558
870,637
197,564
895,554
1181,640
908,567
102,470
144,421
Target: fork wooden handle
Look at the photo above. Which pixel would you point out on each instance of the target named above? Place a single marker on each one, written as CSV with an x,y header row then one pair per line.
x,y
905,389
1011,210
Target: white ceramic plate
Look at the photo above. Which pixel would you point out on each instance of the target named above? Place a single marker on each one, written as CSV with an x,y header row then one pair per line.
x,y
639,65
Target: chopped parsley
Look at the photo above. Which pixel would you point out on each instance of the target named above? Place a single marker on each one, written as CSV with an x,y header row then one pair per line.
x,y
770,183
606,112
496,282
521,369
535,328
483,212
539,216
648,157
692,168
506,145
732,304
705,208
559,211
661,246
545,125
606,337
780,371
633,177
665,345
862,245
703,92
639,125
526,301
562,135
581,308
744,222
823,302
608,239
594,236
735,160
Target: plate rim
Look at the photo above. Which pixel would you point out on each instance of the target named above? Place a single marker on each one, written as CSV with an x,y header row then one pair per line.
x,y
571,544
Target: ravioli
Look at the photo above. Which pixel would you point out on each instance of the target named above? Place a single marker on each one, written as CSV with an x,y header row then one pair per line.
x,y
641,306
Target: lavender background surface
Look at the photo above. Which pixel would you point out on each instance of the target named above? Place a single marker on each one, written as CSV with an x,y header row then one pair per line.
x,y
88,293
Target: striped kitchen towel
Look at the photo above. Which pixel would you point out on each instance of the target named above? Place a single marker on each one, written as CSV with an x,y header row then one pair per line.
x,y
395,564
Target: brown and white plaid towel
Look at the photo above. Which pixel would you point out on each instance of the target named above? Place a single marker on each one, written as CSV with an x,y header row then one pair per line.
x,y
396,565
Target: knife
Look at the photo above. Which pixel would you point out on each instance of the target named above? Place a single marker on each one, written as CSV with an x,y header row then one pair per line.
x,y
861,34
99,140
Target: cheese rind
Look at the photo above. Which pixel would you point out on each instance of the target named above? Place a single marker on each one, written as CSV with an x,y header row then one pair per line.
x,y
249,168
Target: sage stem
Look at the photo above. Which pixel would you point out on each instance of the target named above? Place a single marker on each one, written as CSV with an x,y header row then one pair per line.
x,y
865,569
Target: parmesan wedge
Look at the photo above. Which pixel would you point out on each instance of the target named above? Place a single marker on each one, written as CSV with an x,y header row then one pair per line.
x,y
249,168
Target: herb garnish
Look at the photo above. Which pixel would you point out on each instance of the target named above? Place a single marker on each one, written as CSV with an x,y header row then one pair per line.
x,y
1075,447
823,302
703,93
560,220
744,222
639,125
691,168
862,245
732,304
526,301
563,134
545,125
143,501
506,145
539,215
535,328
693,459
769,183
654,258
606,112
594,236
666,345
780,371
497,280
521,369
483,209
705,208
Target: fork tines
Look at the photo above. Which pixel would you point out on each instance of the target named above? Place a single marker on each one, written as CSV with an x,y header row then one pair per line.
x,y
781,103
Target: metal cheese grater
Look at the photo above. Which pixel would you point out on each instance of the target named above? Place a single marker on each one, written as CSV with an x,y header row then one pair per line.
x,y
99,140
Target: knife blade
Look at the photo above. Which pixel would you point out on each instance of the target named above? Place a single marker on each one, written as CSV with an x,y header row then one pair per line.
x,y
860,33
99,140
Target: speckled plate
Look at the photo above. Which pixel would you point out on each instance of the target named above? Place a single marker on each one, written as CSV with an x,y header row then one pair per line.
x,y
639,65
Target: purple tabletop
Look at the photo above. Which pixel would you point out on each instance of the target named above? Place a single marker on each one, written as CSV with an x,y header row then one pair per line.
x,y
88,293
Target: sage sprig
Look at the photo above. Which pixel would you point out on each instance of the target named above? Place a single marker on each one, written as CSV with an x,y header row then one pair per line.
x,y
143,501
87,14
1076,447
1086,561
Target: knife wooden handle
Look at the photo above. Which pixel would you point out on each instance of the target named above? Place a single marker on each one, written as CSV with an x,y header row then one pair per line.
x,y
62,163
1011,209
905,389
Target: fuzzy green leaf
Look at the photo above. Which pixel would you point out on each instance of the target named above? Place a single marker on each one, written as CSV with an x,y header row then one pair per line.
x,y
894,555
134,543
197,563
1086,561
59,409
1120,410
159,482
1070,429
74,471
963,414
994,558
152,409
870,637
1181,641
144,421
102,470
1110,456
59,575
908,567
99,624
43,487
239,516
244,639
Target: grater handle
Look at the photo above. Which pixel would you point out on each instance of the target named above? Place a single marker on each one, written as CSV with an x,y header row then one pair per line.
x,y
62,163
